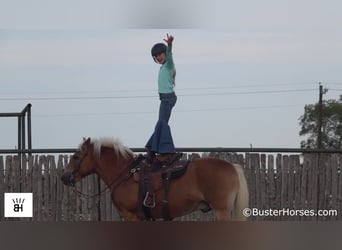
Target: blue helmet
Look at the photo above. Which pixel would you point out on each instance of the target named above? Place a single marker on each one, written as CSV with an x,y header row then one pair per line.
x,y
157,49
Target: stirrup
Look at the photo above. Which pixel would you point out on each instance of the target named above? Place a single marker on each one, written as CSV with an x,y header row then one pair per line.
x,y
147,201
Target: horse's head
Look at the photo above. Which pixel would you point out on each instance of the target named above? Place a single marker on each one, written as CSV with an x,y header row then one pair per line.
x,y
79,166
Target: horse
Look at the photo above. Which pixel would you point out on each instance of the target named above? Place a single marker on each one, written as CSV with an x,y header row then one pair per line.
x,y
208,182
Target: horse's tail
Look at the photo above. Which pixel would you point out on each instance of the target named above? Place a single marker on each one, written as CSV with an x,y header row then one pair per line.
x,y
242,196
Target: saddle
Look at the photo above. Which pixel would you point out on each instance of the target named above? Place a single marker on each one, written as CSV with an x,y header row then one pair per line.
x,y
155,175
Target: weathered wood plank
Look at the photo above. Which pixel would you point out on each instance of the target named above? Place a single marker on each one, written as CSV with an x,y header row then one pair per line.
x,y
252,181
271,183
84,200
46,189
29,174
321,182
53,188
92,189
314,184
40,184
263,188
290,184
284,183
35,177
16,177
297,186
327,187
334,182
103,202
278,181
108,206
339,189
59,189
304,185
9,175
2,188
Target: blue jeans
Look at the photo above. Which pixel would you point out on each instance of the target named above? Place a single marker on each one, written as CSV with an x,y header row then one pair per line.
x,y
167,102
161,140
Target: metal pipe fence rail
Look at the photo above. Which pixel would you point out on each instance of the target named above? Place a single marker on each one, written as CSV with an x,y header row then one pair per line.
x,y
24,132
184,149
287,180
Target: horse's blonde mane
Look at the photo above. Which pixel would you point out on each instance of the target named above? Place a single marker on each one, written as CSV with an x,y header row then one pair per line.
x,y
113,143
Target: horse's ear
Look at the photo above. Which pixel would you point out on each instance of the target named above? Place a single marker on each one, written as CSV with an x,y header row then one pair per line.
x,y
87,141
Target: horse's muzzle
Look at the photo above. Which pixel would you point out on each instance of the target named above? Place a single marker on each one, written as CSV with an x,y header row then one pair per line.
x,y
68,179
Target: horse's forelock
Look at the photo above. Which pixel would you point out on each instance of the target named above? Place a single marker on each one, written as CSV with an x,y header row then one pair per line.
x,y
114,143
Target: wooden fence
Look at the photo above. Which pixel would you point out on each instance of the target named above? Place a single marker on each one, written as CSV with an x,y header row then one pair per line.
x,y
290,184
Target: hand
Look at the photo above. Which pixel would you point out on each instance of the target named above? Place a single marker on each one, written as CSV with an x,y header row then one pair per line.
x,y
169,39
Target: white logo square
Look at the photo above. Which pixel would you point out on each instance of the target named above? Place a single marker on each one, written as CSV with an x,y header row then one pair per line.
x,y
18,204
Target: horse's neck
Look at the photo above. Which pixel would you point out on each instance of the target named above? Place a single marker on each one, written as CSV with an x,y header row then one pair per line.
x,y
112,167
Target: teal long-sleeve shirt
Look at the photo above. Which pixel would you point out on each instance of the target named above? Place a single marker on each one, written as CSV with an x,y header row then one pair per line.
x,y
167,72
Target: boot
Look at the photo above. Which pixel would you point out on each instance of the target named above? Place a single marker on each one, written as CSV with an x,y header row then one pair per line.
x,y
170,158
174,157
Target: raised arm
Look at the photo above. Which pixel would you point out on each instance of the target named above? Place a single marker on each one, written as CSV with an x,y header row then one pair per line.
x,y
169,40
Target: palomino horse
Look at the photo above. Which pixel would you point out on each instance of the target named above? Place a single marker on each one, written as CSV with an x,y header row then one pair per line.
x,y
207,182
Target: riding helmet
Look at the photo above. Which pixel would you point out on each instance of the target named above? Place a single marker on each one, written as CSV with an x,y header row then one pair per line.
x,y
157,49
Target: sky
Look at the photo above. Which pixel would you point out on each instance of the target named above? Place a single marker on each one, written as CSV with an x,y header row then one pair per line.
x,y
245,69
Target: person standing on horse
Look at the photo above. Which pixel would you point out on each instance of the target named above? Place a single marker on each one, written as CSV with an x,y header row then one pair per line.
x,y
161,141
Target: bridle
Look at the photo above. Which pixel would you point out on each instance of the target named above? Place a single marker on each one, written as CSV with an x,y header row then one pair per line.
x,y
78,166
121,178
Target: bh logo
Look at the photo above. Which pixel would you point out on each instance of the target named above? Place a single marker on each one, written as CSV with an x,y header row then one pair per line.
x,y
18,204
